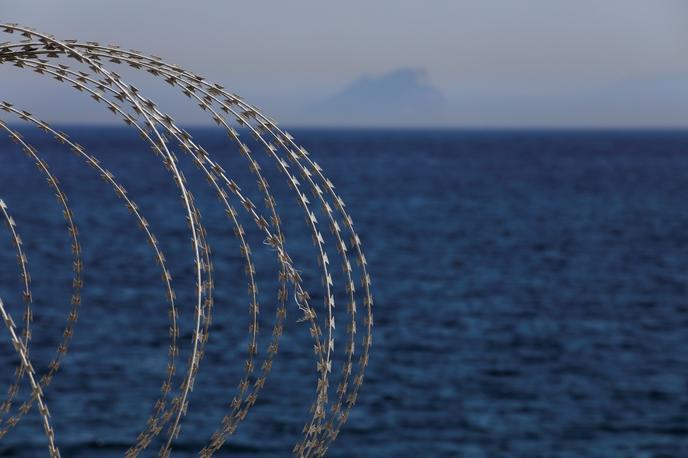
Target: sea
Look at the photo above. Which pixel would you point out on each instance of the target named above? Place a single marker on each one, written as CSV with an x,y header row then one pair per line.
x,y
530,294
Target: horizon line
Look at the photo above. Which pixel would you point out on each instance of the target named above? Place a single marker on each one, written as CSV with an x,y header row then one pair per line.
x,y
411,127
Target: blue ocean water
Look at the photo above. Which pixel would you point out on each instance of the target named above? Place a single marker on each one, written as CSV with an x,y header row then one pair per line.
x,y
530,296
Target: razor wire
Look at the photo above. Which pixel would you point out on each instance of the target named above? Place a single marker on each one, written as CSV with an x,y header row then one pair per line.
x,y
87,73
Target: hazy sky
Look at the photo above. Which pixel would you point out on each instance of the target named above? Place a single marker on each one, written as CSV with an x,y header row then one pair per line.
x,y
518,62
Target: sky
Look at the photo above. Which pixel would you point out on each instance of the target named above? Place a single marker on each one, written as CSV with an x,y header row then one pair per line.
x,y
592,63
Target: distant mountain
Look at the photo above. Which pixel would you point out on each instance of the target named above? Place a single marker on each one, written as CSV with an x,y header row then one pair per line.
x,y
404,96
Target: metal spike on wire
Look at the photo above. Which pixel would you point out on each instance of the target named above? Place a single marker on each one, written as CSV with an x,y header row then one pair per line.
x,y
87,72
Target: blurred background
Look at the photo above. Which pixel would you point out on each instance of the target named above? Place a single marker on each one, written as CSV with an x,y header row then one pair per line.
x,y
466,63
516,172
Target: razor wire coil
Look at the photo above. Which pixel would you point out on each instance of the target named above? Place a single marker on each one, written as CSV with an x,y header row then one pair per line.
x,y
87,73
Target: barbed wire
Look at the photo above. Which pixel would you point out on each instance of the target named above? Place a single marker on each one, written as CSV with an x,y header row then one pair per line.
x,y
87,73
